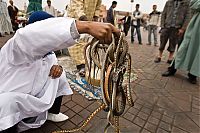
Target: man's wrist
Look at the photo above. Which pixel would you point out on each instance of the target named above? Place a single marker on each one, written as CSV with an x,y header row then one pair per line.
x,y
82,26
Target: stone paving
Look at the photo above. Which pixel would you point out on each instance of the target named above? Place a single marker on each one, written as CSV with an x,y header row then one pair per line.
x,y
163,105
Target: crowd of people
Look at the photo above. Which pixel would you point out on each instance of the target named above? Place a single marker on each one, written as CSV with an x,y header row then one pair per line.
x,y
32,81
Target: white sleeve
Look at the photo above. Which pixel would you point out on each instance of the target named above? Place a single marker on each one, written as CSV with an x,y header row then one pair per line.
x,y
39,38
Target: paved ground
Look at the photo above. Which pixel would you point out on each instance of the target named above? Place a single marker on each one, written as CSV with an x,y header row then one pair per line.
x,y
163,105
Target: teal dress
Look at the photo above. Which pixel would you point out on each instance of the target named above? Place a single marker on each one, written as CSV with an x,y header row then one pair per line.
x,y
188,55
34,5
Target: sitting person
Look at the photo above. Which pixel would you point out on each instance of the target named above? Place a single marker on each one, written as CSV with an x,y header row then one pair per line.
x,y
32,82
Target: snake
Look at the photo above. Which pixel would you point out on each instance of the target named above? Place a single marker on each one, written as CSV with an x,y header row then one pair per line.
x,y
116,62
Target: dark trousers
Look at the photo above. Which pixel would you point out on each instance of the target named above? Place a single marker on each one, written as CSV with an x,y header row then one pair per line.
x,y
55,109
126,29
138,33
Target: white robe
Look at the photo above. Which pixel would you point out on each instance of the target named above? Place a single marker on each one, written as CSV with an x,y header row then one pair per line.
x,y
26,90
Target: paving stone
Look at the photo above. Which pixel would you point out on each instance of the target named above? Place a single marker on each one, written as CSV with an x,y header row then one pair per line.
x,y
77,108
128,127
70,104
84,113
167,104
169,114
137,106
139,121
49,127
196,111
194,117
178,130
182,104
143,115
165,126
150,127
146,110
156,114
129,116
160,130
133,110
148,97
63,109
145,131
183,122
153,120
70,113
76,119
167,119
66,99
68,125
93,107
182,96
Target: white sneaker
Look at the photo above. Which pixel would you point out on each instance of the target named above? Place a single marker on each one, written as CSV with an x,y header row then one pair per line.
x,y
57,117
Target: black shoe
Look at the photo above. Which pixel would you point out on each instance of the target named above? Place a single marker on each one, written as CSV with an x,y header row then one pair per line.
x,y
169,61
157,60
169,73
192,79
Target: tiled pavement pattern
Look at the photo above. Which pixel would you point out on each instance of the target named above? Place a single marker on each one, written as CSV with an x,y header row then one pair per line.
x,y
163,105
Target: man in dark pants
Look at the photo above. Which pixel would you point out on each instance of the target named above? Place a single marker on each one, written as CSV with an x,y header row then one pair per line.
x,y
127,23
111,14
136,23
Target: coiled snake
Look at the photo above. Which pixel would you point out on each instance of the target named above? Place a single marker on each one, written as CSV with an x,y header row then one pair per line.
x,y
113,64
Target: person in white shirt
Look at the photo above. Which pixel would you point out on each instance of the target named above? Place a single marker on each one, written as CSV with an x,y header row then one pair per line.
x,y
154,18
31,78
50,9
136,23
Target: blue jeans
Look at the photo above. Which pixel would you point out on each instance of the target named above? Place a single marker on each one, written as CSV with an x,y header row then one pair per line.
x,y
137,32
152,29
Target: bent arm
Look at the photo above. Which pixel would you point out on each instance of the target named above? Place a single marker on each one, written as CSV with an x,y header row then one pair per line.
x,y
39,38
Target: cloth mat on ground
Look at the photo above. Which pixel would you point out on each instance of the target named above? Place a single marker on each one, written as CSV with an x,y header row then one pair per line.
x,y
80,85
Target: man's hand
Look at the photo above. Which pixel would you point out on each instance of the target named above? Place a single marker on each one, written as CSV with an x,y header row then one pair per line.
x,y
181,32
102,31
56,71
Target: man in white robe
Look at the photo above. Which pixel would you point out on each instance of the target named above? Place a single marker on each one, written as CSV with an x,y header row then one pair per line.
x,y
27,89
5,22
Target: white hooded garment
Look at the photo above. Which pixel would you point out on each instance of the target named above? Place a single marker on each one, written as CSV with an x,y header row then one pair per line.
x,y
26,90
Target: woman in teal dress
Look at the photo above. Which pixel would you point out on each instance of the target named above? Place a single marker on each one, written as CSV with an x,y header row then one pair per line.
x,y
34,5
188,55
